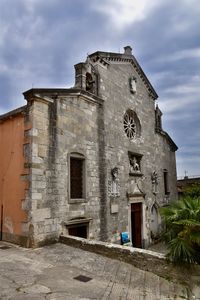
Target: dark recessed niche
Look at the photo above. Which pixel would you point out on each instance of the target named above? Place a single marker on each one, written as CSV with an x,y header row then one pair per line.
x,y
83,278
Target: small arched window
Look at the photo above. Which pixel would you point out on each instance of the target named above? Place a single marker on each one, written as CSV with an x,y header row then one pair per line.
x,y
89,82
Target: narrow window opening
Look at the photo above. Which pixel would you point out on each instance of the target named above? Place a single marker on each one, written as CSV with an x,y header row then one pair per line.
x,y
166,184
89,82
76,178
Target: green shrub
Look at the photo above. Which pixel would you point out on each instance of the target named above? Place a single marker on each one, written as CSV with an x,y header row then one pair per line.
x,y
182,229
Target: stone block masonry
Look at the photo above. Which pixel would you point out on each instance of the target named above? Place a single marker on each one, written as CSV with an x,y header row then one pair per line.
x,y
95,161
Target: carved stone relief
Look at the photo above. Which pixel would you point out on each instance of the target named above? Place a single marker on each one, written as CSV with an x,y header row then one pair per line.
x,y
134,164
132,83
135,186
113,184
154,181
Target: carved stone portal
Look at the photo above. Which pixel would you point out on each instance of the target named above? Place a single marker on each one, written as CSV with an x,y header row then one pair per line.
x,y
135,187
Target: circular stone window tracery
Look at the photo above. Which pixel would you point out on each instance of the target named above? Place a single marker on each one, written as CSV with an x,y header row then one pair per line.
x,y
132,126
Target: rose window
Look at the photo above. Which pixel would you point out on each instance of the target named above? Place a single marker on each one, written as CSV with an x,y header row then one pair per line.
x,y
131,124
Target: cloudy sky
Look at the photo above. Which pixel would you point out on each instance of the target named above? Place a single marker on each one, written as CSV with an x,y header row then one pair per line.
x,y
41,40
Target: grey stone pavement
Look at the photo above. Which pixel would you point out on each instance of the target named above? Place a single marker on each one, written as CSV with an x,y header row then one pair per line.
x,y
49,273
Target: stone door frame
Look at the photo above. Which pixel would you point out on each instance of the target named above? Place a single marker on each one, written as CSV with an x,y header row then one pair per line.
x,y
133,200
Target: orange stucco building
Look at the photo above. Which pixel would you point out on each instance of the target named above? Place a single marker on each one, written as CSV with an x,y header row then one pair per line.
x,y
13,177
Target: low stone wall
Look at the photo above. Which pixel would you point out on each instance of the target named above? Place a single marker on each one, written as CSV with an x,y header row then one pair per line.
x,y
140,258
143,259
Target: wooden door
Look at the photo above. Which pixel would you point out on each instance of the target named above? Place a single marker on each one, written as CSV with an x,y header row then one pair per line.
x,y
136,224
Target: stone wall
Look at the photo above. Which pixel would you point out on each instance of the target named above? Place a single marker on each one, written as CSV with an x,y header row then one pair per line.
x,y
156,152
144,260
73,121
140,258
63,126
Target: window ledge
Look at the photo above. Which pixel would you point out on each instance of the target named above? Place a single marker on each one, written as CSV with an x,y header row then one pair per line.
x,y
77,221
78,200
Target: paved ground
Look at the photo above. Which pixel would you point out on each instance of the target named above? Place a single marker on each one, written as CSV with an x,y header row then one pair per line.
x,y
50,273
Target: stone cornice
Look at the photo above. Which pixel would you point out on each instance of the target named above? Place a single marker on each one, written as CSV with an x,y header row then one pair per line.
x,y
108,58
49,95
171,143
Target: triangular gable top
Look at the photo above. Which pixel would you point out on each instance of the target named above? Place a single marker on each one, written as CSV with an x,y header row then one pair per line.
x,y
108,57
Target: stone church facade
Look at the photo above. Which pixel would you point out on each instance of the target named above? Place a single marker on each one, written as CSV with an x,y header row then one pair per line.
x,y
94,159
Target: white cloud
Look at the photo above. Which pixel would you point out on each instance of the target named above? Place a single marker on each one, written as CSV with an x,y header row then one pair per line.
x,y
179,55
180,99
2,111
122,13
191,150
192,159
3,33
189,164
187,53
189,87
30,5
175,104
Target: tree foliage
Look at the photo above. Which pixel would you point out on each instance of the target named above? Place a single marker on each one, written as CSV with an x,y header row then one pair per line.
x,y
192,191
182,230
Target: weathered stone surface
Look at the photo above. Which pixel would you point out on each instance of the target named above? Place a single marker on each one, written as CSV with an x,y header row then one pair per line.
x,y
50,272
91,123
